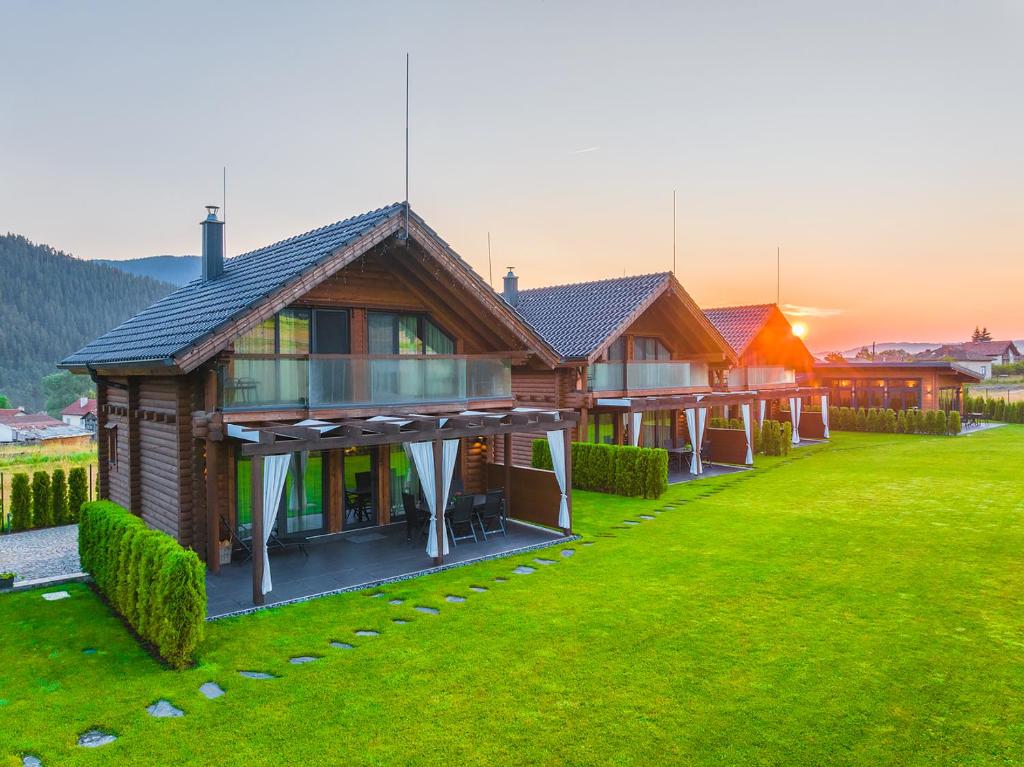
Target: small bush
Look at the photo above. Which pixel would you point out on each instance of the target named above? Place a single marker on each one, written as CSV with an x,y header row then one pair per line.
x,y
59,497
21,502
955,422
78,492
42,500
155,584
619,469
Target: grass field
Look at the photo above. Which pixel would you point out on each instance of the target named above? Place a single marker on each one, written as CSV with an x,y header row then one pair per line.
x,y
857,603
30,458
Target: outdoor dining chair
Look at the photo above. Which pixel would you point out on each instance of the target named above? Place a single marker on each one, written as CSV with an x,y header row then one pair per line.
x,y
492,514
461,517
416,518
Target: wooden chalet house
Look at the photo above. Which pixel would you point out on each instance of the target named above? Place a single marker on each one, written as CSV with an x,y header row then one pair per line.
x,y
637,358
774,364
313,386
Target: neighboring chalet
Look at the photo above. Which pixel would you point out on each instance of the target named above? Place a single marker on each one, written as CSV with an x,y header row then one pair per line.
x,y
633,354
81,413
17,426
774,363
352,377
927,385
977,356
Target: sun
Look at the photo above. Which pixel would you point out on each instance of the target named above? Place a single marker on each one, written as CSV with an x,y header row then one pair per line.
x,y
800,329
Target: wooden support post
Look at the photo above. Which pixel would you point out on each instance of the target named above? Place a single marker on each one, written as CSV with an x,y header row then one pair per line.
x,y
568,477
674,416
335,491
213,469
508,475
257,529
383,480
438,500
617,427
582,430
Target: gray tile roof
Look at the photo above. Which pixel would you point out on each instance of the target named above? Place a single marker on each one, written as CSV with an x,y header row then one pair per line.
x,y
739,325
578,319
199,308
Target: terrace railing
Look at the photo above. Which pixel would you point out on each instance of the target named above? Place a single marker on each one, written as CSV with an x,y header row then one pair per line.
x,y
333,381
766,375
647,376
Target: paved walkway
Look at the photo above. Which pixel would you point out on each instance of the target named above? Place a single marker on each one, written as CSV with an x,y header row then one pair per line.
x,y
45,553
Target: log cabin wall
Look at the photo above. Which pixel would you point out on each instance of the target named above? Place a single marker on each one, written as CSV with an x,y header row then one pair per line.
x,y
160,459
117,467
532,387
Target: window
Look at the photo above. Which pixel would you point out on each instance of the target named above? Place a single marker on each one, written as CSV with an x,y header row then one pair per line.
x,y
298,331
646,348
330,332
390,333
293,331
112,444
617,350
904,393
262,339
842,392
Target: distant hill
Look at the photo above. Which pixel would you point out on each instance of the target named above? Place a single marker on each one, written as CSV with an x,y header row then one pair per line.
x,y
177,270
52,304
907,346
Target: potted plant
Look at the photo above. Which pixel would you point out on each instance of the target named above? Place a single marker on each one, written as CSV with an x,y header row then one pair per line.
x,y
6,581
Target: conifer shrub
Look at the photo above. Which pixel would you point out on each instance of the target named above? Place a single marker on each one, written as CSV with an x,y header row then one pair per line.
x,y
59,497
619,469
42,500
78,492
21,502
955,422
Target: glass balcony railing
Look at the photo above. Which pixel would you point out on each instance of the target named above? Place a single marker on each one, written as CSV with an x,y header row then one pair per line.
x,y
331,381
752,377
647,376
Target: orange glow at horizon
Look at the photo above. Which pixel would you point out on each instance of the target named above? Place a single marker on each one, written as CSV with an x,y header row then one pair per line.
x,y
800,330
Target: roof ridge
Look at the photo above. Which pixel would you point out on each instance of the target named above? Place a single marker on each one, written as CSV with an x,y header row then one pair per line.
x,y
742,306
595,282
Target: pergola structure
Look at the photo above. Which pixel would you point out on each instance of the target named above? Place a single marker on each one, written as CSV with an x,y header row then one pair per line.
x,y
433,440
795,395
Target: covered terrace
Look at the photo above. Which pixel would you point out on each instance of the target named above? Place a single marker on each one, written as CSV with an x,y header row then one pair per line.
x,y
526,507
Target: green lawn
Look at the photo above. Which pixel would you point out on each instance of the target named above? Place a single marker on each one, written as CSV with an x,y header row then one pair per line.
x,y
858,603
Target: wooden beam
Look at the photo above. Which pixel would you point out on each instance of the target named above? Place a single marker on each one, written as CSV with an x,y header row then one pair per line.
x,y
258,564
213,469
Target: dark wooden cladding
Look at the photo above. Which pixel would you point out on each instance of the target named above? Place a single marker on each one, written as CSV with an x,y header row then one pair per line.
x,y
811,425
117,473
727,445
536,493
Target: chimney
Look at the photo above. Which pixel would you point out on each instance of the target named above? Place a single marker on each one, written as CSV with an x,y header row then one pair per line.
x,y
511,291
213,244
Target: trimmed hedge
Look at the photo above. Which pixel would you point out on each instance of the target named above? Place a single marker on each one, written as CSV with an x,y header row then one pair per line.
x,y
618,469
78,493
891,422
776,437
21,502
156,585
995,409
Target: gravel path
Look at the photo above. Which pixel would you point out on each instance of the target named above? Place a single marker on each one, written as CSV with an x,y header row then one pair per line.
x,y
40,553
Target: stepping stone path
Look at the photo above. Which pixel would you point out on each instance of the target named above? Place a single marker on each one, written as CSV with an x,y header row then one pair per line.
x,y
589,543
299,660
257,675
89,651
341,645
646,516
630,522
163,709
395,601
523,570
399,622
541,561
501,580
454,598
377,595
427,610
568,552
477,589
211,690
31,761
367,633
53,596
95,739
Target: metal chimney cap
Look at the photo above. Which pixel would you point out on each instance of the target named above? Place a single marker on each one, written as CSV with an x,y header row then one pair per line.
x,y
510,272
211,212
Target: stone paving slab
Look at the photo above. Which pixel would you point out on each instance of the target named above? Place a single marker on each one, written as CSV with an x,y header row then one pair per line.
x,y
36,554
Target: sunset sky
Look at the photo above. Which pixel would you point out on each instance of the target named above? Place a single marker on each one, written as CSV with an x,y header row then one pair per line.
x,y
877,143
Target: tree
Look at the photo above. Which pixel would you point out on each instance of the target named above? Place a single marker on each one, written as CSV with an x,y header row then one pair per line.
x,y
61,389
834,357
59,497
981,335
42,504
4,402
865,354
78,492
21,503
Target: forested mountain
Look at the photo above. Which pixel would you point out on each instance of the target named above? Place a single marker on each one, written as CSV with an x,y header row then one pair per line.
x,y
176,270
51,304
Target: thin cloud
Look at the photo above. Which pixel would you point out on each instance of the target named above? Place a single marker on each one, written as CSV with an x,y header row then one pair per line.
x,y
796,310
585,150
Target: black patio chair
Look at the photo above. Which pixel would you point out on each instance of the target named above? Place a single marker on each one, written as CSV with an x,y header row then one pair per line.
x,y
416,518
492,514
461,517
705,452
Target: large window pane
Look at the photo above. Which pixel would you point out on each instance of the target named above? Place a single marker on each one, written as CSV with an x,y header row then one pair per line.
x,y
409,341
259,340
330,332
303,494
435,340
403,480
293,327
381,333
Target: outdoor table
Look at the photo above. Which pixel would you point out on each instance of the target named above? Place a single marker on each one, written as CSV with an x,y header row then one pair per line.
x,y
681,455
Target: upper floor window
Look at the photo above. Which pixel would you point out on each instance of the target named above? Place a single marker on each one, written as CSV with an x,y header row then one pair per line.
x,y
646,348
298,331
391,333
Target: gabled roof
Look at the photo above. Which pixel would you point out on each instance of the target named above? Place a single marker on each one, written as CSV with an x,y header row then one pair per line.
x,y
169,331
579,318
77,408
971,351
739,325
854,366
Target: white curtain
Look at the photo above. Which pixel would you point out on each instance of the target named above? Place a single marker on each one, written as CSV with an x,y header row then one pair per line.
x,y
275,469
556,442
695,419
423,457
635,420
794,417
763,403
824,413
745,410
